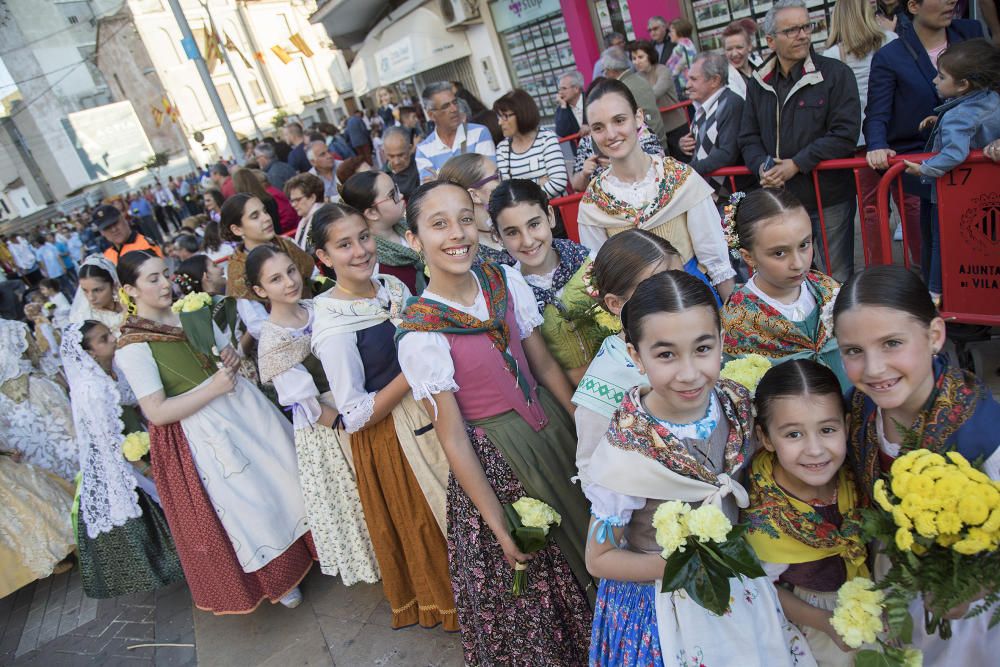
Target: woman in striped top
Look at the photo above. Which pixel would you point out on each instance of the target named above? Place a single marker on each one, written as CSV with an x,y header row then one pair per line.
x,y
526,151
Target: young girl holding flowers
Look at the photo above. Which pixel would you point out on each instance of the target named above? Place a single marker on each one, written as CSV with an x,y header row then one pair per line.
x,y
401,469
469,348
906,396
553,268
123,543
336,520
801,498
222,456
611,281
688,437
778,313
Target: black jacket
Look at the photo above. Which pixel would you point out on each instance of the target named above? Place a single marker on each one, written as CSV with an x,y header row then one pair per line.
x,y
819,120
566,122
726,151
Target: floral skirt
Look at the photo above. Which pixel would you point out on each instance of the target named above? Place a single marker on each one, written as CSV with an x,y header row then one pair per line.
x,y
336,519
550,623
217,582
135,557
624,632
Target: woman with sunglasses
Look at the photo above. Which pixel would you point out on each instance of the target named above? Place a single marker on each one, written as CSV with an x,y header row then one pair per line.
x,y
528,152
376,196
479,175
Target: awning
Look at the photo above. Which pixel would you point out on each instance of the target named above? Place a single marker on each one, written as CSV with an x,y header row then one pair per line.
x,y
406,46
347,21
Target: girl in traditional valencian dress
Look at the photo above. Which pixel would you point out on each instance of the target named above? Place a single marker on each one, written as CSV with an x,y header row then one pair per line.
x,y
803,520
336,520
891,336
97,295
687,437
246,222
223,457
124,544
401,469
777,313
376,196
553,268
470,349
639,191
621,264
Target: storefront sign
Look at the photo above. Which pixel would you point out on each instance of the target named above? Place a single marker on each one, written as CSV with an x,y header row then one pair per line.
x,y
396,61
509,14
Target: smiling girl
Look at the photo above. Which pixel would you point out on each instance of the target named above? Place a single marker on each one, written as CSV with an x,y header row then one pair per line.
x,y
891,336
222,456
689,437
470,350
660,195
336,519
246,222
401,470
97,295
803,500
553,268
777,313
479,175
375,195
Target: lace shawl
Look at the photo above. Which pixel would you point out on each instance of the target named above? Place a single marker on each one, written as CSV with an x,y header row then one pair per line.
x,y
81,310
108,496
13,345
278,350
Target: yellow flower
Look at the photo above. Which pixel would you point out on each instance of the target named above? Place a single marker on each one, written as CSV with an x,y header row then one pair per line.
x,y
929,459
536,514
670,521
950,485
709,523
900,482
913,657
192,302
913,504
607,320
857,617
970,547
992,525
921,485
900,519
880,495
948,522
972,510
135,445
958,460
983,536
906,461
925,525
948,539
747,371
976,476
904,539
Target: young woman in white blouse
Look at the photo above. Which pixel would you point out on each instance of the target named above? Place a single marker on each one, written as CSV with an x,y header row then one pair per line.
x,y
660,195
401,469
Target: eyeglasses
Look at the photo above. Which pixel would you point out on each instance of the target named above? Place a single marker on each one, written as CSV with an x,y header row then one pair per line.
x,y
483,181
450,104
395,196
807,28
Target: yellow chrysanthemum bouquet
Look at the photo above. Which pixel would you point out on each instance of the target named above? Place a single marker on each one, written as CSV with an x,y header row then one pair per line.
x,y
703,550
529,521
199,311
938,518
747,370
135,449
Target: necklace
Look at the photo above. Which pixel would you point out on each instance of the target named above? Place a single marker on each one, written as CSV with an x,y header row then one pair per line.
x,y
348,292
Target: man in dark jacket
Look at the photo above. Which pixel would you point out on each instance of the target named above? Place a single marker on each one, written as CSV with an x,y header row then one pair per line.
x,y
801,109
569,110
712,142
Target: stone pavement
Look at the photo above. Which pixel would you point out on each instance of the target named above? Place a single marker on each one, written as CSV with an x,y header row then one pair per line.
x,y
51,624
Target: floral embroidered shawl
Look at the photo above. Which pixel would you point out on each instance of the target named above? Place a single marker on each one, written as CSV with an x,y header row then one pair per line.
x,y
961,415
140,330
632,429
431,316
784,529
752,326
571,258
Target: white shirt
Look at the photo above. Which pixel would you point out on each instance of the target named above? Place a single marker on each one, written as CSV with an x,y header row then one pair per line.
x,y
577,110
425,357
798,310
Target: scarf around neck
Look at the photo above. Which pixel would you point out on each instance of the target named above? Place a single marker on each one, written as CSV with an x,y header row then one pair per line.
x,y
571,258
632,429
427,315
335,316
784,529
394,254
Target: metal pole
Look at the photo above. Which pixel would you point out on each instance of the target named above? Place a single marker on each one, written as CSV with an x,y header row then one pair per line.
x,y
191,49
223,51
